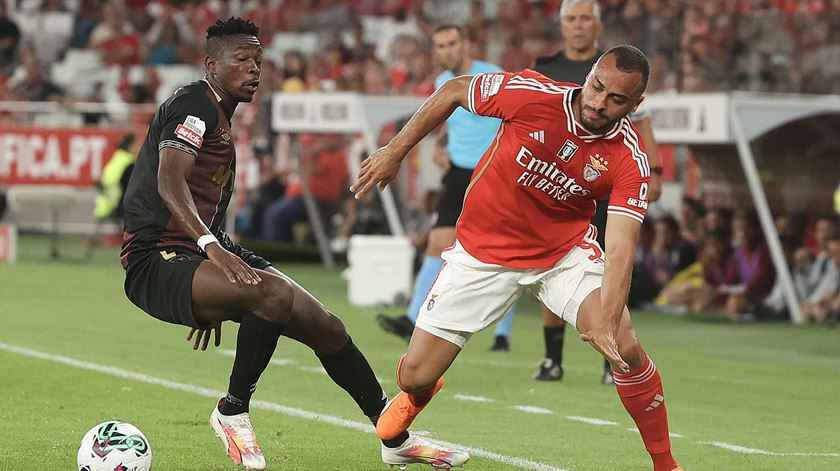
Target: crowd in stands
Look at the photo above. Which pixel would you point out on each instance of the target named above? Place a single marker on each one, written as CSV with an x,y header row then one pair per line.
x,y
381,47
714,261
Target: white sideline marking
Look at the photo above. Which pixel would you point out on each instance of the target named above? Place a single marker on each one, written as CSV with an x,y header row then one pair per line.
x,y
591,420
670,434
523,463
533,409
467,397
755,451
273,361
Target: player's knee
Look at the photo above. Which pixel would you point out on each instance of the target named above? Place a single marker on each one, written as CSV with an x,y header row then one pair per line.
x,y
413,379
276,298
631,351
333,333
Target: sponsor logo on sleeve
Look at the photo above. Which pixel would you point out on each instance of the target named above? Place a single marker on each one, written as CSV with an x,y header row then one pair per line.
x,y
192,130
490,85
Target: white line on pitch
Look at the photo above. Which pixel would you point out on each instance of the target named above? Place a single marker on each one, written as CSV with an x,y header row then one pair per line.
x,y
671,434
533,409
290,362
591,420
755,451
467,397
523,463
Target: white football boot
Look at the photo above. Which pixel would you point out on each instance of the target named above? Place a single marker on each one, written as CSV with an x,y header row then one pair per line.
x,y
237,434
419,450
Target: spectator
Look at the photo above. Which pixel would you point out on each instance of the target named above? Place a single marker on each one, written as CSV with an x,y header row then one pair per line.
x,y
670,253
824,304
324,164
814,274
691,221
750,273
697,287
9,42
115,38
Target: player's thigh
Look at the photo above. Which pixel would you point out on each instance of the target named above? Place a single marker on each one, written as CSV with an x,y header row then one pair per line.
x,y
216,299
563,288
467,297
550,319
440,239
311,323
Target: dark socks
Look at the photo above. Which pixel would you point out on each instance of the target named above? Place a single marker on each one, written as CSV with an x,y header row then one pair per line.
x,y
349,369
255,345
554,342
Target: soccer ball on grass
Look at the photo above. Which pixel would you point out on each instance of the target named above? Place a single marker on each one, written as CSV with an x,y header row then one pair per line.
x,y
114,446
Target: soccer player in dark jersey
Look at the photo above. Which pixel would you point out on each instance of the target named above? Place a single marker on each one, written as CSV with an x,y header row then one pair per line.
x,y
182,268
580,26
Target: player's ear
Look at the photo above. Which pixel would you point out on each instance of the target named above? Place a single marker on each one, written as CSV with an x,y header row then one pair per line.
x,y
638,103
210,65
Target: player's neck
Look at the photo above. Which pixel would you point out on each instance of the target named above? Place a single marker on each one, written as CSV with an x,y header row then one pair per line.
x,y
224,97
464,68
580,54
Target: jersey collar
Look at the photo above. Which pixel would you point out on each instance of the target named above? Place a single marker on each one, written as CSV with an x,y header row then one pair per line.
x,y
579,131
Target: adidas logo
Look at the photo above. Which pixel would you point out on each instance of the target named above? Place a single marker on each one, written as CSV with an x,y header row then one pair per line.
x,y
538,135
657,401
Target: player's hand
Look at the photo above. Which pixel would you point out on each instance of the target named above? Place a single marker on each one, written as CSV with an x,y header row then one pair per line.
x,y
378,170
237,271
202,336
602,339
654,187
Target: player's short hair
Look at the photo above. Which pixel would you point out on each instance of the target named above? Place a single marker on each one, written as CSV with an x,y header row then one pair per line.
x,y
217,32
447,26
630,59
596,8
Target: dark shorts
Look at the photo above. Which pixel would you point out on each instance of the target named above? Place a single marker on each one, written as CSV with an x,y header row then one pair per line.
x,y
451,199
160,283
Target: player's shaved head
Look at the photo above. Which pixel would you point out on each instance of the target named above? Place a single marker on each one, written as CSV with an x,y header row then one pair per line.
x,y
630,59
220,35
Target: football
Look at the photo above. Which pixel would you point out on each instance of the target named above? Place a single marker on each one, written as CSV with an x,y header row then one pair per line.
x,y
114,446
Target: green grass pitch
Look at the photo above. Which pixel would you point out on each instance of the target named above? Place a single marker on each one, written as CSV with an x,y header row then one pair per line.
x,y
740,396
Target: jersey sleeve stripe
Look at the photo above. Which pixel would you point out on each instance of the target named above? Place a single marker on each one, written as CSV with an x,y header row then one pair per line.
x,y
471,94
177,145
634,139
510,86
625,212
518,79
639,156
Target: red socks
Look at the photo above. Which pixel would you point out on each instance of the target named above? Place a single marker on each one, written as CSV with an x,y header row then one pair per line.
x,y
641,393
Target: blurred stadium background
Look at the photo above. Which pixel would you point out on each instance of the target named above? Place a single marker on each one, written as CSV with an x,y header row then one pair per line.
x,y
744,103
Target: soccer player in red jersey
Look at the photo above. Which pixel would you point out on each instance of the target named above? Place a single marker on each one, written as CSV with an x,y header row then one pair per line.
x,y
525,226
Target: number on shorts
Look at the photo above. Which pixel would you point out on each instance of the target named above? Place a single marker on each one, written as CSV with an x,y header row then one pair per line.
x,y
597,253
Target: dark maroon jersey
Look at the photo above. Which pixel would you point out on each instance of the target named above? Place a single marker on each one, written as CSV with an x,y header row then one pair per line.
x,y
195,121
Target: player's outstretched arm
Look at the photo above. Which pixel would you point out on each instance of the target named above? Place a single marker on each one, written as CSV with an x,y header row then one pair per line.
x,y
175,165
381,167
620,242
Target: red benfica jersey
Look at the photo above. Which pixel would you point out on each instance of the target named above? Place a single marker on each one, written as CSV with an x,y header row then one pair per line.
x,y
533,192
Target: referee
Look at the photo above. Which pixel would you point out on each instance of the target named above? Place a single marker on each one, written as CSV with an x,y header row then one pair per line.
x,y
580,26
469,135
